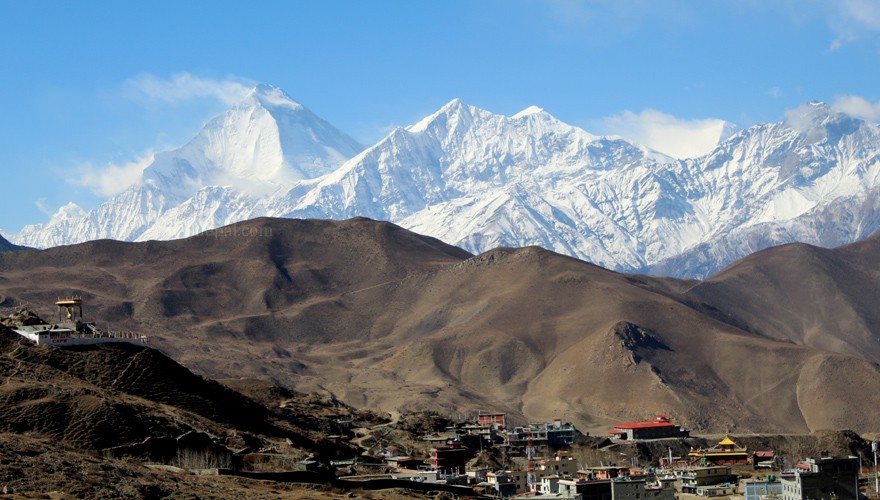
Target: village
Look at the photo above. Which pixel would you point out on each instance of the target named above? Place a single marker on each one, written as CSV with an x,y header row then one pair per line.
x,y
543,466
488,455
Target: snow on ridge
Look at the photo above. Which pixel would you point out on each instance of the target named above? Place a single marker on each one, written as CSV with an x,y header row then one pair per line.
x,y
271,96
531,110
261,145
478,179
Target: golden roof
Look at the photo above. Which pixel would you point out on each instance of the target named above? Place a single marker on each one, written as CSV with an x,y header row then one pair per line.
x,y
727,441
69,301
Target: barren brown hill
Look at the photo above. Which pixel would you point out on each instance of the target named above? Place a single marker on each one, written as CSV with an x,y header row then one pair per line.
x,y
93,422
38,467
96,397
381,317
817,297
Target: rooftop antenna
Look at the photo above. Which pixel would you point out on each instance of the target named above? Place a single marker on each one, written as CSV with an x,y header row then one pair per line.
x,y
876,477
530,454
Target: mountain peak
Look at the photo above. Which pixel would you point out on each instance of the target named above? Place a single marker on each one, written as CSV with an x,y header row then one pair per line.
x,y
270,96
531,110
728,130
453,105
452,108
69,211
817,120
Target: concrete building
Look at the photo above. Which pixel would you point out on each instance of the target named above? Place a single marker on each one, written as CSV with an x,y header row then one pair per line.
x,y
390,451
659,428
581,487
823,478
504,484
399,463
478,435
478,475
763,459
719,490
759,490
549,484
549,488
602,472
619,489
560,433
561,465
547,496
697,477
543,436
450,459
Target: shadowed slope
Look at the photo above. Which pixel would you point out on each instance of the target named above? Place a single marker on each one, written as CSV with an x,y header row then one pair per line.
x,y
6,246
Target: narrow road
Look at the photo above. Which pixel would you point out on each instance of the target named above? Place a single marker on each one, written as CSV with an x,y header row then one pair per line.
x,y
364,433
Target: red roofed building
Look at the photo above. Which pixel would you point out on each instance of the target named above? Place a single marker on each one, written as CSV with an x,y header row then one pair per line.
x,y
766,459
660,427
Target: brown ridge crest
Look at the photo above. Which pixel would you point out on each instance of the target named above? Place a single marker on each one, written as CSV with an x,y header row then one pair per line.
x,y
785,340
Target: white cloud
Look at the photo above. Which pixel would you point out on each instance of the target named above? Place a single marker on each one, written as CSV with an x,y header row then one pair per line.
x,y
863,12
852,19
41,206
676,137
111,179
185,86
807,117
858,107
843,39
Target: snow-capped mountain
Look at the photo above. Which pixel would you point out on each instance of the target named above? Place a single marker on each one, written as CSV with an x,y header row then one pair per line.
x,y
266,142
814,178
479,180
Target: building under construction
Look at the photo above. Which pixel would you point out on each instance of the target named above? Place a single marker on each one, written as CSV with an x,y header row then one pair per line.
x,y
543,437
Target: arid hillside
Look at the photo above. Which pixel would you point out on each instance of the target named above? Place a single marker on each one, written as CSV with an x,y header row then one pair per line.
x,y
807,295
106,396
383,318
125,421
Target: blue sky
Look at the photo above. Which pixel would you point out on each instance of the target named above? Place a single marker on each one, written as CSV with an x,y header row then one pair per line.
x,y
90,89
